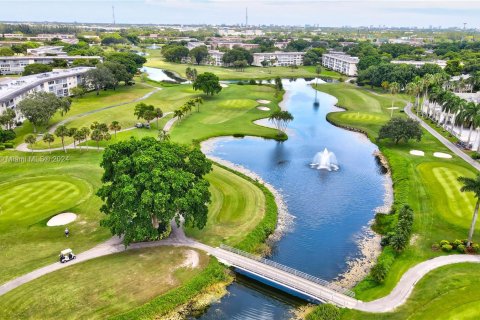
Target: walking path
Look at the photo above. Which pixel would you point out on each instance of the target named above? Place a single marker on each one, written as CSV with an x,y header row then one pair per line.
x,y
322,292
442,139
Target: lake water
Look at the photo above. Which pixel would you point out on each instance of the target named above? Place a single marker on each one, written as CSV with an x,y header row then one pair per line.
x,y
156,74
331,209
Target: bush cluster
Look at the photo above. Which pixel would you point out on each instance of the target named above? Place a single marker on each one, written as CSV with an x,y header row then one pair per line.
x,y
458,245
398,239
385,260
475,156
324,312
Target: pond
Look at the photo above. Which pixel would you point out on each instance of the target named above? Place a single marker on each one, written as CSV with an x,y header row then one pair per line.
x,y
332,209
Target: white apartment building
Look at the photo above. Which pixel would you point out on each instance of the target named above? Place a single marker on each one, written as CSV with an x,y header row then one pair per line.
x,y
59,82
342,63
47,50
279,58
16,64
215,57
194,44
441,63
232,44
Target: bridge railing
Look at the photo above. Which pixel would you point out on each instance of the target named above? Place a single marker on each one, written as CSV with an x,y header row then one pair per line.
x,y
290,270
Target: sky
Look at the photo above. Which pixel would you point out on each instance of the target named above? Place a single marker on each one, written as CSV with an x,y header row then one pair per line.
x,y
333,13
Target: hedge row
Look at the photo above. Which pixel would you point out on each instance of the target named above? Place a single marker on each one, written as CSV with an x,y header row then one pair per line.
x,y
161,305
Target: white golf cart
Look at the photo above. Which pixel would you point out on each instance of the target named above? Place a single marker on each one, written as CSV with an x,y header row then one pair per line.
x,y
67,255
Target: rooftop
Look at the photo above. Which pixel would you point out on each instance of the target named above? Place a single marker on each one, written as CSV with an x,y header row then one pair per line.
x,y
12,87
344,57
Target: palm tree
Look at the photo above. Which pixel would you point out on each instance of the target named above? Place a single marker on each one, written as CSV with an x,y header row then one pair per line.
x,y
471,185
62,132
158,114
163,135
471,116
115,126
394,88
412,88
198,101
48,138
178,114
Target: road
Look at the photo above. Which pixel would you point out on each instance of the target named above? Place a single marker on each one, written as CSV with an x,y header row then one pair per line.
x,y
442,139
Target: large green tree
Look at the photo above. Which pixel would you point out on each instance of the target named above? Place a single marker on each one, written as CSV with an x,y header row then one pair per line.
x,y
100,78
199,54
39,107
36,68
399,129
208,83
147,183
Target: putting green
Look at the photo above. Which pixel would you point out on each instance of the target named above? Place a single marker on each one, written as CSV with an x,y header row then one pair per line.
x,y
31,200
361,117
454,206
229,109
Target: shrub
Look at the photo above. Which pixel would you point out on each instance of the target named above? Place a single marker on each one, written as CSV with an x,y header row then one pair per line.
x,y
240,83
447,248
8,145
476,247
456,243
461,248
435,247
475,156
444,242
252,82
403,229
238,135
2,147
324,312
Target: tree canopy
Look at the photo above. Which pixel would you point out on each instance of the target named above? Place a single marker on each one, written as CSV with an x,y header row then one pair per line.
x,y
199,54
174,52
208,83
147,183
39,107
399,129
36,68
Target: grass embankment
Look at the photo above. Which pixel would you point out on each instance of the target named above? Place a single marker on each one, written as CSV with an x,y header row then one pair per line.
x,y
450,292
32,192
106,286
155,60
427,184
232,112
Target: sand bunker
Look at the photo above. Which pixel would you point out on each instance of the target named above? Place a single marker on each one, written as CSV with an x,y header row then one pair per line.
x,y
223,85
192,260
62,219
264,101
442,155
263,108
417,153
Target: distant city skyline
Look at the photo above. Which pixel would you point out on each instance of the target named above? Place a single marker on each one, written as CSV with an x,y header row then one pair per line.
x,y
280,12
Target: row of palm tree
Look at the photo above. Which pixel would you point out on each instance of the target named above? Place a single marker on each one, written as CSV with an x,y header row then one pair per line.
x,y
187,107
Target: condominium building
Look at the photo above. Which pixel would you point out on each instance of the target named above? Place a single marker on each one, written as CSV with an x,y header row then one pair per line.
x,y
47,50
215,57
342,63
231,45
278,58
16,64
59,82
194,44
418,64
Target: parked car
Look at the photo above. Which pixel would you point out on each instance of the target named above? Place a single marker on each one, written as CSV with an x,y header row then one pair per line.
x,y
139,125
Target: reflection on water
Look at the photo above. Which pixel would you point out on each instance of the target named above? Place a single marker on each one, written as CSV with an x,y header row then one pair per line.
x,y
330,207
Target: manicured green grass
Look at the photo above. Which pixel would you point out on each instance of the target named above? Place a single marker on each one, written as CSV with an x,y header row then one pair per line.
x,y
417,181
237,207
246,74
454,206
230,112
102,287
447,293
33,190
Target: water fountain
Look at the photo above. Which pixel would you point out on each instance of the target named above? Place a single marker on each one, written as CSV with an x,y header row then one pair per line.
x,y
325,160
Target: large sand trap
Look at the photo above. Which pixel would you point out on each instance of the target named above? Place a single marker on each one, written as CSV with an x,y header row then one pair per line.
x,y
191,260
263,108
264,101
417,153
223,85
62,219
442,155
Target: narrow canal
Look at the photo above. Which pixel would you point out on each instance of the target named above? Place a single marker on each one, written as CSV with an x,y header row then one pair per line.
x,y
331,208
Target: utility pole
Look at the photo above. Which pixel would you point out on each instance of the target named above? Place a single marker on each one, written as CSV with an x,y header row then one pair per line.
x,y
113,14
